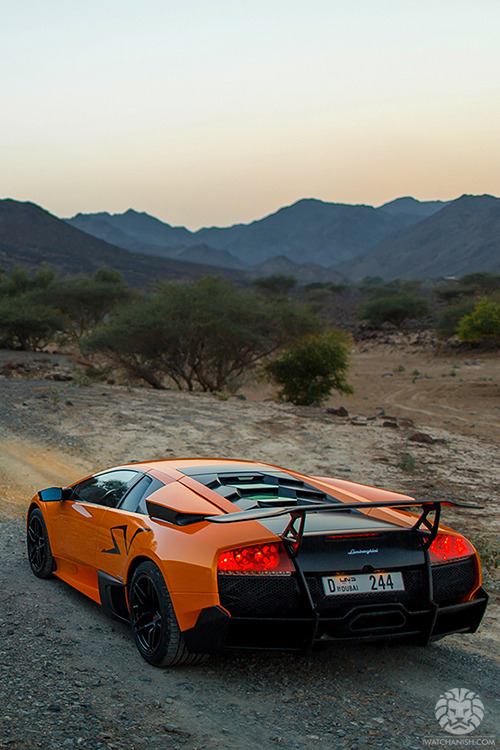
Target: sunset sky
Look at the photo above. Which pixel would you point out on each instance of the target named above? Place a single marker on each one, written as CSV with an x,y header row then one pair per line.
x,y
212,112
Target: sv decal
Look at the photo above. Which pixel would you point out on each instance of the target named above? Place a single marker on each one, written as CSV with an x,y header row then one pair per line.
x,y
115,550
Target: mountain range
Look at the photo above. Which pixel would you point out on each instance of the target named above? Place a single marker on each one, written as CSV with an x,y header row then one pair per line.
x,y
463,237
29,236
309,230
311,240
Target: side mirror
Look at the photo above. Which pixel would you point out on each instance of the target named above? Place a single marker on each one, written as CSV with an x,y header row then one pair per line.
x,y
54,494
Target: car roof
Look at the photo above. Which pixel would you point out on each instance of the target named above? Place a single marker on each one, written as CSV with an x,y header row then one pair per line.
x,y
187,465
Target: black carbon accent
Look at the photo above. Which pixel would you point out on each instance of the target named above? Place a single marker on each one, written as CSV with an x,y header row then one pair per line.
x,y
159,512
414,596
259,595
452,581
209,634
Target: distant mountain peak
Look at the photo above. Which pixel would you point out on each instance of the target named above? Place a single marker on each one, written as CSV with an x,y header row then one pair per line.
x,y
463,237
309,231
409,205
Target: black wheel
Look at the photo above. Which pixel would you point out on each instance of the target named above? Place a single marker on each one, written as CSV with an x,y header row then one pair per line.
x,y
154,625
39,552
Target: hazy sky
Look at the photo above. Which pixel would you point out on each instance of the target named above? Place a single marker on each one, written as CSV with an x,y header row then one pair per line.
x,y
217,111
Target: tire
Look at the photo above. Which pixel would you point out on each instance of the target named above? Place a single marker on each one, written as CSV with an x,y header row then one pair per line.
x,y
39,553
154,626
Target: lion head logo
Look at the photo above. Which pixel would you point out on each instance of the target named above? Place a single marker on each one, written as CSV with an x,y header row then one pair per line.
x,y
459,711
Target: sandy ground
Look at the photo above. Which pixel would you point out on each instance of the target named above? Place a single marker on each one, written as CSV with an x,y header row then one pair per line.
x,y
54,432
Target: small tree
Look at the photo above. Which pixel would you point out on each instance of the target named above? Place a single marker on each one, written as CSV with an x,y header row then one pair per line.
x,y
471,285
278,284
450,316
482,323
208,333
309,369
27,324
393,308
483,282
87,301
18,282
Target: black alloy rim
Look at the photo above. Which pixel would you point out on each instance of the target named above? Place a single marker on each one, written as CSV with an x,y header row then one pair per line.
x,y
36,543
146,615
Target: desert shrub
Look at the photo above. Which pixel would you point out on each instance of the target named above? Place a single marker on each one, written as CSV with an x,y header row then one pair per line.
x,y
484,282
18,282
406,462
329,286
482,322
471,285
312,367
318,297
399,286
370,283
87,301
206,333
450,316
451,291
27,324
393,308
83,301
315,285
277,284
375,285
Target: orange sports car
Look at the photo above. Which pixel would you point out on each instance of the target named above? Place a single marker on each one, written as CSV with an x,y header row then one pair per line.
x,y
202,555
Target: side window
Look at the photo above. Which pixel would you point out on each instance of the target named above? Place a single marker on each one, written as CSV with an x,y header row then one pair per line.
x,y
155,485
105,489
135,500
134,496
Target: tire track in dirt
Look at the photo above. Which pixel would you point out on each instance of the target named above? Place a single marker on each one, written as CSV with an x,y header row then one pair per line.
x,y
25,467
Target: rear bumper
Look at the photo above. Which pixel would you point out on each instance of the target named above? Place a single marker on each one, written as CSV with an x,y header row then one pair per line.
x,y
216,631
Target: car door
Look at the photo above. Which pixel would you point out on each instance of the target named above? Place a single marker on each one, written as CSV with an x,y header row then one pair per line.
x,y
119,528
76,523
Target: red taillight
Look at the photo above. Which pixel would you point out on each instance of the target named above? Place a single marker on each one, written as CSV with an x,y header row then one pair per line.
x,y
446,547
258,558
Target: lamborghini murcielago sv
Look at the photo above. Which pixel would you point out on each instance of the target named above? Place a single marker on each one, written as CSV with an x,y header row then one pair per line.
x,y
203,555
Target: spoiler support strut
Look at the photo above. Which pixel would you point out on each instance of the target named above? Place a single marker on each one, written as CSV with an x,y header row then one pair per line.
x,y
293,533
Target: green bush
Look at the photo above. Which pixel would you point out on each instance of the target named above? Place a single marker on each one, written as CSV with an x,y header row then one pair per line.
x,y
376,286
18,282
277,284
82,303
309,369
471,285
26,324
485,282
450,316
393,308
206,333
482,322
87,301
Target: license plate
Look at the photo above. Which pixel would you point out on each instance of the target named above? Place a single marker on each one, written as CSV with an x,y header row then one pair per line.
x,y
362,583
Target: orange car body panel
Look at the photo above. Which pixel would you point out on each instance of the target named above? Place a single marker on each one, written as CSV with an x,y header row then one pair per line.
x,y
87,538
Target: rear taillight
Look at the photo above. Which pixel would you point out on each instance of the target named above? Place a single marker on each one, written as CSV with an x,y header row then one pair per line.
x,y
271,559
447,547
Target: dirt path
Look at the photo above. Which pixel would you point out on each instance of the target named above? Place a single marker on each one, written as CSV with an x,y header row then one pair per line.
x,y
26,466
69,677
459,392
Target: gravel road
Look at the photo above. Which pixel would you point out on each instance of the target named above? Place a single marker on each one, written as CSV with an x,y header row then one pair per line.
x,y
70,677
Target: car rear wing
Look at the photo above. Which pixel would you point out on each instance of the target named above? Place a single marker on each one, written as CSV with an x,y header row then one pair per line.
x,y
427,521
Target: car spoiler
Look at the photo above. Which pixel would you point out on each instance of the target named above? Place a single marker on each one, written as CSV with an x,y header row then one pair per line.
x,y
426,522
294,531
